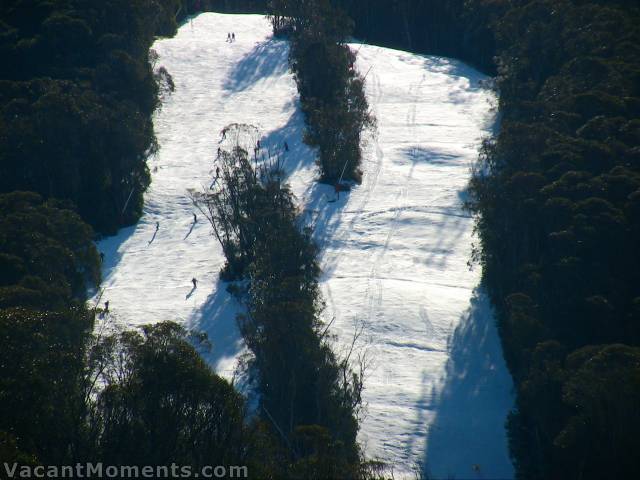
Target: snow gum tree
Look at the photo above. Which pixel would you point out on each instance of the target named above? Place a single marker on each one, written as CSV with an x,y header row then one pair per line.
x,y
309,397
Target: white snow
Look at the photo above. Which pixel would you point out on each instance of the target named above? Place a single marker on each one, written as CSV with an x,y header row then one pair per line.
x,y
394,250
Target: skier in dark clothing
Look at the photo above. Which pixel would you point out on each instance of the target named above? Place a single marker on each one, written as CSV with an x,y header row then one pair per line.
x,y
286,146
195,218
217,172
102,257
228,37
233,37
195,282
106,306
157,226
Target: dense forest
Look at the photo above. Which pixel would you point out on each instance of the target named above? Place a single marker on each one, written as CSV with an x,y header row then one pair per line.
x,y
331,89
75,129
557,195
77,94
76,132
308,396
559,227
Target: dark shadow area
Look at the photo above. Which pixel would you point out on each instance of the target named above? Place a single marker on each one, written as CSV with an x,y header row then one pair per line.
x,y
193,289
298,154
110,246
465,198
193,224
321,212
154,237
451,222
217,318
455,69
431,156
113,253
266,59
468,438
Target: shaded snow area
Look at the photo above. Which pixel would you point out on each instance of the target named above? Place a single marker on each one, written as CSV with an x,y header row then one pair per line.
x,y
394,250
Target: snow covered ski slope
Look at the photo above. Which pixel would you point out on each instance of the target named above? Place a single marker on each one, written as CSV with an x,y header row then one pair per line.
x,y
394,250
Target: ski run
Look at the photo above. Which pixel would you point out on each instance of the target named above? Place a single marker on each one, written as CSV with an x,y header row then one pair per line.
x,y
394,250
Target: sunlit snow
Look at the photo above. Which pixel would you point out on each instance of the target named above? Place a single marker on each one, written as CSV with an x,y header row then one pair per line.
x,y
394,250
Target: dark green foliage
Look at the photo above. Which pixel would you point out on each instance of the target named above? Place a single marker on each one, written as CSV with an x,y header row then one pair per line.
x,y
248,203
47,261
559,229
602,392
331,90
76,97
558,198
130,398
47,257
577,414
10,453
283,330
455,28
160,403
308,397
41,372
226,6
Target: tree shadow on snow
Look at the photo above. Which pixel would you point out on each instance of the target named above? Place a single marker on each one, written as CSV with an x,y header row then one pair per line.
x,y
267,58
456,70
467,438
299,154
431,156
217,318
451,222
190,294
113,250
320,208
193,224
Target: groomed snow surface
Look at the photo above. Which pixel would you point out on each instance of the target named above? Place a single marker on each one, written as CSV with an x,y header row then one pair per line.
x,y
394,250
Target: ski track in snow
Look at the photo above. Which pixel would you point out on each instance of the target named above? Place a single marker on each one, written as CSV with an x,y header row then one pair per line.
x,y
394,250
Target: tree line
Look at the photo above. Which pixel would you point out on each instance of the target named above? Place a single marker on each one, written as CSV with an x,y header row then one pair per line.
x,y
331,89
558,221
77,93
560,231
309,398
69,393
556,194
